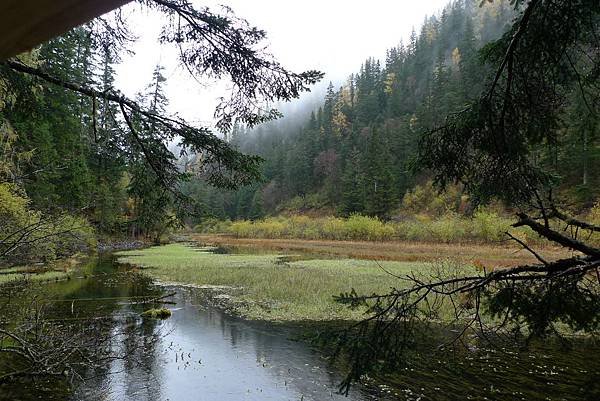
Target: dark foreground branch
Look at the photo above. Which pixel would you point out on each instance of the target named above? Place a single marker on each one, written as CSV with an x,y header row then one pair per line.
x,y
224,165
571,221
555,236
530,299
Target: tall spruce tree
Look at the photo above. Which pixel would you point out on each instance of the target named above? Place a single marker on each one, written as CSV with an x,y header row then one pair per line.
x,y
380,186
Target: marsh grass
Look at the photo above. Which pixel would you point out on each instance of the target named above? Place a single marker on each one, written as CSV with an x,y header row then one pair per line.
x,y
489,255
49,272
28,275
271,290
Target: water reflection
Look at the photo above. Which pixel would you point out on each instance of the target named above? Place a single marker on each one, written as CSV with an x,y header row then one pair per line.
x,y
203,354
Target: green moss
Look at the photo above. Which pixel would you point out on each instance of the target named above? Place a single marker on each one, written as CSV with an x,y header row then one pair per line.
x,y
160,313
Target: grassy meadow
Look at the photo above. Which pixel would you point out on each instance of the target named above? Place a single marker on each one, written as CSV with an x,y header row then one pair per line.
x,y
53,271
488,255
50,275
266,287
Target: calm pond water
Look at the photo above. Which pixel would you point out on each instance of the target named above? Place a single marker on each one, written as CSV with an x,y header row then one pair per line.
x,y
201,353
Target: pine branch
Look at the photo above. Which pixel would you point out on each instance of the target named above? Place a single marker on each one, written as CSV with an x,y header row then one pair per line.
x,y
572,221
554,236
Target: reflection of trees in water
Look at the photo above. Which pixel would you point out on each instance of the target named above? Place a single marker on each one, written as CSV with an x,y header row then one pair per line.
x,y
140,367
132,375
282,366
293,363
74,329
133,341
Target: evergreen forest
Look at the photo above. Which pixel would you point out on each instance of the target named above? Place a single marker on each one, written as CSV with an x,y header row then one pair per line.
x,y
356,152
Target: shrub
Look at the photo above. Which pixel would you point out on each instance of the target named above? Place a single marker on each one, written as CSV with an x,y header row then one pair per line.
x,y
594,214
369,228
298,225
29,236
270,228
448,228
73,234
484,226
242,228
414,228
213,226
594,218
428,199
488,226
312,233
13,209
334,228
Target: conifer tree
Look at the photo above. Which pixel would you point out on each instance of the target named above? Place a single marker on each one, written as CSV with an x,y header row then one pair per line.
x,y
379,186
353,182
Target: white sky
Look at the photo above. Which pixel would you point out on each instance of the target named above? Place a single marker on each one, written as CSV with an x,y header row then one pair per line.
x,y
333,36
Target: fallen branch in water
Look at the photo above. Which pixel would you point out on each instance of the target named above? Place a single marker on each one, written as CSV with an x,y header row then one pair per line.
x,y
144,299
158,300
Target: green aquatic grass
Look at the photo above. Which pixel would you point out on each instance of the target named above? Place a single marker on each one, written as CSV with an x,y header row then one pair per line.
x,y
50,272
269,289
161,313
35,277
15,269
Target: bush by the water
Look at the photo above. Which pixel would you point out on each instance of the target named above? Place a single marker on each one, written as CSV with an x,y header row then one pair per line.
x,y
213,226
28,235
483,226
426,214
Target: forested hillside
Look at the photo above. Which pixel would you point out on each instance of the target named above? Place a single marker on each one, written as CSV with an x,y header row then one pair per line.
x,y
80,160
85,158
355,153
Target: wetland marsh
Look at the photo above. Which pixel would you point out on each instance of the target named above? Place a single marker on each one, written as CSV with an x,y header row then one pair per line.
x,y
253,345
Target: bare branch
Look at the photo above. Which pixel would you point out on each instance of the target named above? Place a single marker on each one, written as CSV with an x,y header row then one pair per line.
x,y
572,221
524,245
554,236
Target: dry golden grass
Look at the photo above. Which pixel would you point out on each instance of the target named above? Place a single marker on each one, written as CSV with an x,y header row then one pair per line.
x,y
507,254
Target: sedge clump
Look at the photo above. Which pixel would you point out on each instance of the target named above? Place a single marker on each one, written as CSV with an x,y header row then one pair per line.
x,y
159,313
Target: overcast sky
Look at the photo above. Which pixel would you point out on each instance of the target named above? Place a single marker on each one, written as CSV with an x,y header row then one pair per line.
x,y
334,36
